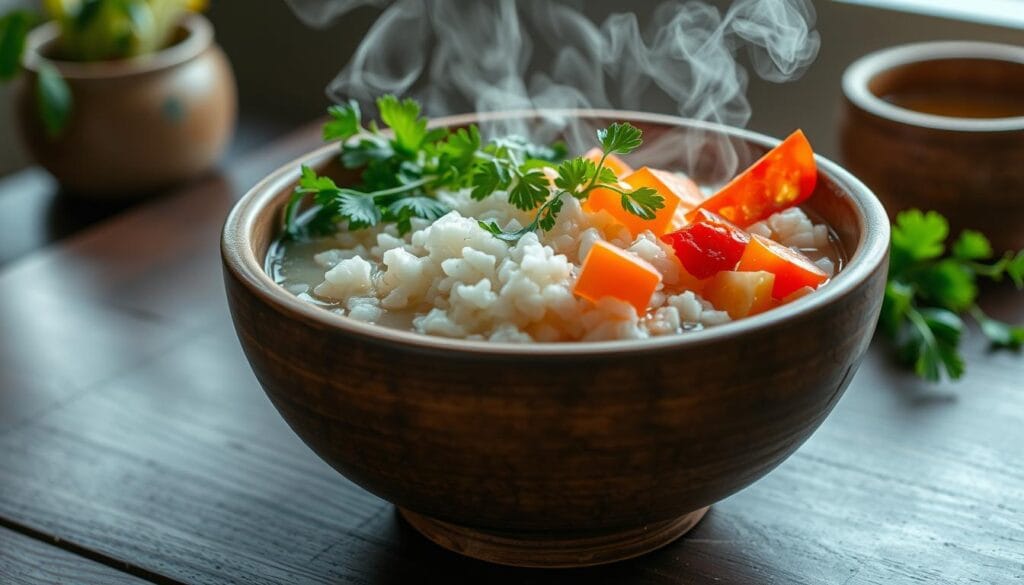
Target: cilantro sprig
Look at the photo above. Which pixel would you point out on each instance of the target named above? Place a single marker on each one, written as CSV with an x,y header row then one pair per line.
x,y
929,290
579,177
403,167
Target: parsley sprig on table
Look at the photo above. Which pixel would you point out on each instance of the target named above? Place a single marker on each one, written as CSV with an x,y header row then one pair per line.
x,y
929,290
402,171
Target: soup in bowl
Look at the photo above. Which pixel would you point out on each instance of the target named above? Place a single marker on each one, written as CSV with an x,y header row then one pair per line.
x,y
560,443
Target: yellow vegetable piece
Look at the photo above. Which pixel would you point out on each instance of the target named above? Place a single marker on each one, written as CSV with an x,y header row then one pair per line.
x,y
740,294
609,271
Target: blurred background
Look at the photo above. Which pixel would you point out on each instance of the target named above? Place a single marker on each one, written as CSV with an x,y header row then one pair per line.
x,y
282,65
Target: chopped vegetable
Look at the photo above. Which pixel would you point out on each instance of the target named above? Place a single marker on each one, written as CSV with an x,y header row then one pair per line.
x,y
609,271
657,182
782,178
740,294
928,291
792,269
708,245
616,164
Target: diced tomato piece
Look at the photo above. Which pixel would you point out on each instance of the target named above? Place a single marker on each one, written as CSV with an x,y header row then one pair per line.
x,y
792,269
740,294
616,164
708,245
609,271
661,181
782,178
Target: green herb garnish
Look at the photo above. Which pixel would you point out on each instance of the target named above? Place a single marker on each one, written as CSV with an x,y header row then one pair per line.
x,y
928,292
402,172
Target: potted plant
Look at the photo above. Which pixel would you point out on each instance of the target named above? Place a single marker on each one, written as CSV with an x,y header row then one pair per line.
x,y
119,97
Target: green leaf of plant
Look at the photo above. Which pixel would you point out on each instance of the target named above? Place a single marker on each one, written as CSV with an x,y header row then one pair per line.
x,y
895,305
461,147
972,245
419,206
947,283
574,174
530,190
14,27
548,214
54,100
620,138
1015,269
1000,335
488,178
359,209
917,236
403,117
644,202
345,121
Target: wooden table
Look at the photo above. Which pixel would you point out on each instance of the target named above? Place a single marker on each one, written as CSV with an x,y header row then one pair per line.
x,y
136,445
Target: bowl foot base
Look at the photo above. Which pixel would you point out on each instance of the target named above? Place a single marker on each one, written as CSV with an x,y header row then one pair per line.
x,y
552,550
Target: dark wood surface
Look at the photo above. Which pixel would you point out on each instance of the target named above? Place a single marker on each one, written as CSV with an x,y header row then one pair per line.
x,y
136,445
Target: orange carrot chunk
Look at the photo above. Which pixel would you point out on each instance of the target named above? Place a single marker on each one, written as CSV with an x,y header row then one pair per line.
x,y
792,269
673,189
616,164
740,294
609,271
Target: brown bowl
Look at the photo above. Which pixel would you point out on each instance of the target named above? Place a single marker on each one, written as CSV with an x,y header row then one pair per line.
x,y
136,124
558,454
969,169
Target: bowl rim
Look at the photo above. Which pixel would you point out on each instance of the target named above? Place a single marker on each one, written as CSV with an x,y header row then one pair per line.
x,y
239,258
198,37
858,76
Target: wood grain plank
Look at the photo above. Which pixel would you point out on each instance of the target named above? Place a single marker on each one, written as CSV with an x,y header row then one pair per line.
x,y
26,561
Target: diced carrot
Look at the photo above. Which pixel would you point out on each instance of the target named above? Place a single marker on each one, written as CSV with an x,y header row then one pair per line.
x,y
740,294
661,181
792,269
616,164
609,271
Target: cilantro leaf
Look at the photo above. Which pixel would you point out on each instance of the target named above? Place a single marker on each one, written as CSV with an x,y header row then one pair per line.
x,y
344,122
1015,269
462,146
620,138
359,209
403,117
915,237
574,173
549,213
972,245
896,303
947,283
488,178
419,206
931,343
999,334
530,190
643,203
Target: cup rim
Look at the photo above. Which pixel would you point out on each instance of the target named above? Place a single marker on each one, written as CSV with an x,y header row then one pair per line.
x,y
240,259
858,76
198,37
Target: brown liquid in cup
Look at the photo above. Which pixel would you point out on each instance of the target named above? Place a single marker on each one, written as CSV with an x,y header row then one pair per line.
x,y
959,103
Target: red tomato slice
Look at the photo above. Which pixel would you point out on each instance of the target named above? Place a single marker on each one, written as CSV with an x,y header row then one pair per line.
x,y
783,177
708,245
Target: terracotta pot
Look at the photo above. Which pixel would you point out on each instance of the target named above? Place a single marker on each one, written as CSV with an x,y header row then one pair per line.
x,y
559,454
969,169
137,124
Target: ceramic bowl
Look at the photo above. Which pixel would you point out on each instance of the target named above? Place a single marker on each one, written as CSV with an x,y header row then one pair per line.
x,y
558,454
969,169
137,124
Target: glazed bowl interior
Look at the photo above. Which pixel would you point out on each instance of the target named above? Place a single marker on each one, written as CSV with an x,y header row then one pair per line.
x,y
856,217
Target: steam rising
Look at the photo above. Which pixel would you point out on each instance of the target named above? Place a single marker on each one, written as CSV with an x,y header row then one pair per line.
x,y
470,55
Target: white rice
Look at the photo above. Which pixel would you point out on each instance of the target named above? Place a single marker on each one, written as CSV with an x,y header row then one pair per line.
x,y
452,278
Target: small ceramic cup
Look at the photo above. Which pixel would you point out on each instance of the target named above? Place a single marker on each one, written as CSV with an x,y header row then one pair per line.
x,y
136,124
968,167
